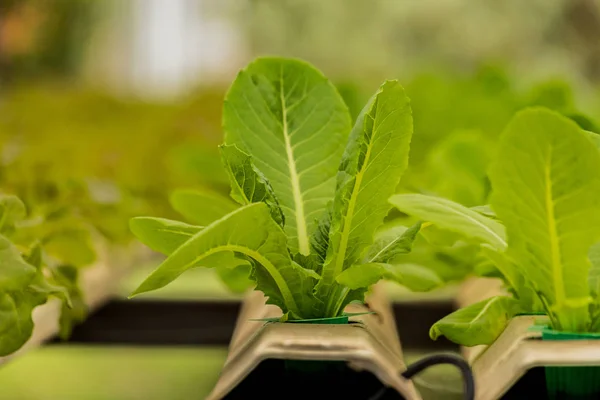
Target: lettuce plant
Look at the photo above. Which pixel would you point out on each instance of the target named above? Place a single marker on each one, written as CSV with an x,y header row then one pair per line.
x,y
29,275
541,232
309,207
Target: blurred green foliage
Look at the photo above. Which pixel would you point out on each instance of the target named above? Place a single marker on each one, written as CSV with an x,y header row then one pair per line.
x,y
458,119
85,160
84,163
81,153
93,158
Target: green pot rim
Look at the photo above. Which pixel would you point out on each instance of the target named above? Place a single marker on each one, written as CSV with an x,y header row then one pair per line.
x,y
551,334
341,320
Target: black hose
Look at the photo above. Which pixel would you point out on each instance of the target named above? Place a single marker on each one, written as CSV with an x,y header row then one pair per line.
x,y
436,359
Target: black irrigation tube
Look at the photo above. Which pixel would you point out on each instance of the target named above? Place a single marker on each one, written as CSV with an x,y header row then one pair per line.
x,y
210,323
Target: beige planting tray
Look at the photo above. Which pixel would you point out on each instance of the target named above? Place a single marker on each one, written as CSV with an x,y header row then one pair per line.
x,y
370,345
519,349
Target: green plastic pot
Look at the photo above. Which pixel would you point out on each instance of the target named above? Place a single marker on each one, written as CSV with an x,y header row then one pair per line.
x,y
580,383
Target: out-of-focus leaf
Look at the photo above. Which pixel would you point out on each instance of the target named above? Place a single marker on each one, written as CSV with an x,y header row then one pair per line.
x,y
72,247
12,210
412,276
201,207
16,324
76,312
453,217
456,168
479,323
485,210
237,279
15,272
162,235
584,122
390,243
594,276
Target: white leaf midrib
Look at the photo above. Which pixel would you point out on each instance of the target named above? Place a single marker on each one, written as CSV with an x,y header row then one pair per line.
x,y
557,268
301,228
387,247
350,211
489,230
484,310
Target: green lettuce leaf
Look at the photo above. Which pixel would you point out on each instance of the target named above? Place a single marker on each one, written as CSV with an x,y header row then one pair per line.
x,y
165,236
248,184
71,246
23,287
162,235
250,231
510,272
505,265
292,121
471,223
546,181
415,277
77,310
16,324
319,240
485,210
585,122
442,238
236,279
43,284
12,210
374,160
487,269
594,275
201,207
455,168
452,216
594,256
479,323
392,242
65,237
594,283
15,272
595,138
